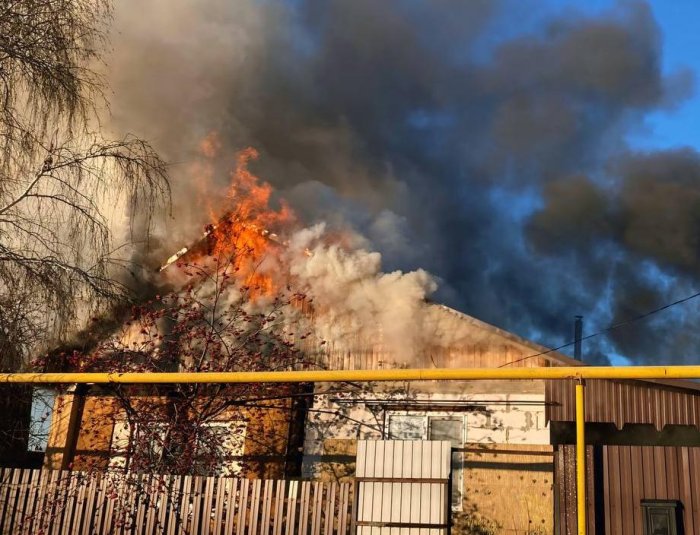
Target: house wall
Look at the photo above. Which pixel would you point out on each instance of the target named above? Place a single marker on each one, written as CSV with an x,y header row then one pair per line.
x,y
94,439
496,412
627,402
508,487
624,476
266,442
506,445
65,411
82,433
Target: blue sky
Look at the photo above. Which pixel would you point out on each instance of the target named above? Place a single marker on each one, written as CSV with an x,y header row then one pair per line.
x,y
681,41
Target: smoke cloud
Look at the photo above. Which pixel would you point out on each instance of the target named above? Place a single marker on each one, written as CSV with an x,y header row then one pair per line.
x,y
493,158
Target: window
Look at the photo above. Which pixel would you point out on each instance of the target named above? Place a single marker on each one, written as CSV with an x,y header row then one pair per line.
x,y
120,444
403,427
224,443
153,434
439,427
662,517
40,419
219,444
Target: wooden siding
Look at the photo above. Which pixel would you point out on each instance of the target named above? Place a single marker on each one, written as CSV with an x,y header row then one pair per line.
x,y
623,402
460,341
626,475
468,356
66,503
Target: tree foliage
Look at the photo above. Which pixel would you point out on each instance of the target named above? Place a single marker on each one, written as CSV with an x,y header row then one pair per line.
x,y
61,181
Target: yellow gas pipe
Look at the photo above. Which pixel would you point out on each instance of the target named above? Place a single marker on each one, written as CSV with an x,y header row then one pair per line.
x,y
581,457
333,376
463,374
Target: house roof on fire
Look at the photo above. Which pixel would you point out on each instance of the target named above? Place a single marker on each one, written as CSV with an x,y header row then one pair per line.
x,y
471,341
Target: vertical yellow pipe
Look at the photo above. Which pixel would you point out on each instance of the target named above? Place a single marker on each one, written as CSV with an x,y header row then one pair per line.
x,y
580,458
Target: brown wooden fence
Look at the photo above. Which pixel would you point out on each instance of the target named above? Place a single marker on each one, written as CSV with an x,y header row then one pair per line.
x,y
44,502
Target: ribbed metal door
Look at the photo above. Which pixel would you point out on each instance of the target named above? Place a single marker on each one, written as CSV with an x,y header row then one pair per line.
x,y
403,484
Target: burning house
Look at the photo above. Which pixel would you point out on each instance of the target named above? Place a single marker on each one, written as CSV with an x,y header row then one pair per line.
x,y
243,299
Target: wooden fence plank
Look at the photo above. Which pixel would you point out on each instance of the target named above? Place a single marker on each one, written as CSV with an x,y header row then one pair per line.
x,y
266,505
317,508
222,490
185,505
4,488
194,506
207,509
342,507
234,510
163,505
81,484
304,509
90,495
22,497
292,493
55,497
64,503
16,501
328,497
255,506
148,507
143,501
111,496
68,504
10,510
31,523
174,503
130,495
239,519
278,508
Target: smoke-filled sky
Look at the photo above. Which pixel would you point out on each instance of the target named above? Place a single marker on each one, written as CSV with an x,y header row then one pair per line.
x,y
529,154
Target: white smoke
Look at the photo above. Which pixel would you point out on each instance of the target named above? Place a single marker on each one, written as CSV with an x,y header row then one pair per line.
x,y
355,303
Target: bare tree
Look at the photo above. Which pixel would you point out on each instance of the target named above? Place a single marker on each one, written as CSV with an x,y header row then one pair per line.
x,y
58,175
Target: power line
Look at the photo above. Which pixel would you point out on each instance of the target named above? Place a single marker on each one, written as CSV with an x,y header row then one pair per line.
x,y
607,329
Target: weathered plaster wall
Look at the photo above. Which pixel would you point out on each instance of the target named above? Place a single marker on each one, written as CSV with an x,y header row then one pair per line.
x,y
495,412
508,474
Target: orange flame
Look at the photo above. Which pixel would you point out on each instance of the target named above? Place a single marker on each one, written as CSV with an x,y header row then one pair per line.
x,y
243,234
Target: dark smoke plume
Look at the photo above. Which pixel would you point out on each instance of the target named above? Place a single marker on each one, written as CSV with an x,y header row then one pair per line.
x,y
495,159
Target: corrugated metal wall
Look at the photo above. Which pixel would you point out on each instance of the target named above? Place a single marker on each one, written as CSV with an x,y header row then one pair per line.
x,y
626,475
621,402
